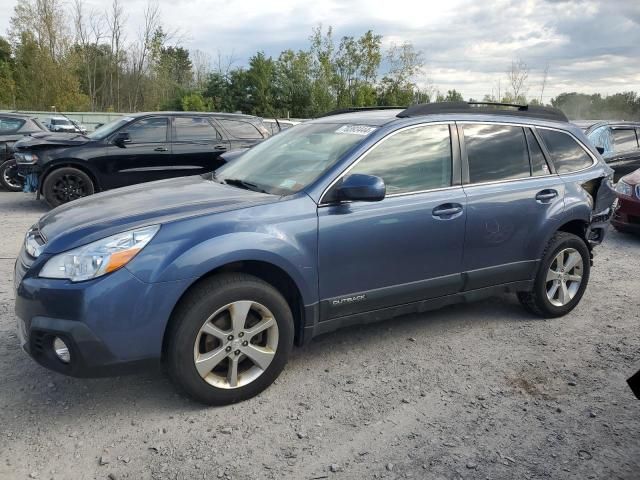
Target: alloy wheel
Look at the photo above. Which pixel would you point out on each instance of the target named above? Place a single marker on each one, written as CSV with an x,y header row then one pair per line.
x,y
11,177
564,277
69,187
236,344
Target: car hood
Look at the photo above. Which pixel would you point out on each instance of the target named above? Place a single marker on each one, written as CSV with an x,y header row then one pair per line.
x,y
46,139
633,178
98,216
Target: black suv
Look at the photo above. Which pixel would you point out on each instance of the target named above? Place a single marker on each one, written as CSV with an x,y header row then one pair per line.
x,y
14,126
132,149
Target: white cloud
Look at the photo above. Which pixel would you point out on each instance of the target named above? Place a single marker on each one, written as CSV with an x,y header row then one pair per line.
x,y
589,45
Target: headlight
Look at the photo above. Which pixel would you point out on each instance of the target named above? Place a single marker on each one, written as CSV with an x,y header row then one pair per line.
x,y
100,257
26,158
638,190
623,188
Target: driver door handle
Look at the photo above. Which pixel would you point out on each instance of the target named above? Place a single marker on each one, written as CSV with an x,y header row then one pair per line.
x,y
160,149
447,210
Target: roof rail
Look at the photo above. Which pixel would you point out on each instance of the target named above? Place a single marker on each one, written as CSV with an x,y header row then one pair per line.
x,y
358,109
534,111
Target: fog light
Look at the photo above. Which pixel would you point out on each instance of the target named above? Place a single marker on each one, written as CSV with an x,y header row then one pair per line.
x,y
61,349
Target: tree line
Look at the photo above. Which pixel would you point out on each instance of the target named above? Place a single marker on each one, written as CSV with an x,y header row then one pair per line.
x,y
76,59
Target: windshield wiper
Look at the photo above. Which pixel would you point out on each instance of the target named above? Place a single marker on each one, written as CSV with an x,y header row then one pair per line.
x,y
236,182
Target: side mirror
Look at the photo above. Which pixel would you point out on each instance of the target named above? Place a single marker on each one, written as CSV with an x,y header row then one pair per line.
x,y
121,139
358,187
600,150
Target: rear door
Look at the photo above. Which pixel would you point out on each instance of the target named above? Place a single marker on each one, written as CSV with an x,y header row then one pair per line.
x,y
241,133
511,194
146,157
196,145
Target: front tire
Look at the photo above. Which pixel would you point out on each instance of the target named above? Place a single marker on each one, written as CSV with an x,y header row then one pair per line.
x,y
65,185
9,177
229,339
562,277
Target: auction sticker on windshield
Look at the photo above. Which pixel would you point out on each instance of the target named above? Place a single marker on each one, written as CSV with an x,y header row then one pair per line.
x,y
356,129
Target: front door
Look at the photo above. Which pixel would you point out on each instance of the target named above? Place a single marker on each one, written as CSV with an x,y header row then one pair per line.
x,y
625,157
145,157
405,248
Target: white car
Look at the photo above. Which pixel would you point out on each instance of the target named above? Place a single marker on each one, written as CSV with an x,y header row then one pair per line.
x,y
60,124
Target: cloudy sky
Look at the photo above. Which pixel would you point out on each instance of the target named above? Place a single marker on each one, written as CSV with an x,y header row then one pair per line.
x,y
589,46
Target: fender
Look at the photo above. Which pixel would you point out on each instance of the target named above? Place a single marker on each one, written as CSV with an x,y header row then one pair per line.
x,y
69,162
199,260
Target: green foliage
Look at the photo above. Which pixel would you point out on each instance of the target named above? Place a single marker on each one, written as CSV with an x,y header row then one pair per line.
x,y
193,102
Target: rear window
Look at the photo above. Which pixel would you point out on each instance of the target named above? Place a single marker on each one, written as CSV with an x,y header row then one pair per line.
x,y
240,129
496,152
10,125
624,139
567,155
194,129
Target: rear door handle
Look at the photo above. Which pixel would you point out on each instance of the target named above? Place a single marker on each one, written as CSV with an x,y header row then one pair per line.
x,y
546,195
220,148
160,149
447,210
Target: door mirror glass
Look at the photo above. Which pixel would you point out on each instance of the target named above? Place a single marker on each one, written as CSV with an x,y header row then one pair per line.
x,y
121,139
359,187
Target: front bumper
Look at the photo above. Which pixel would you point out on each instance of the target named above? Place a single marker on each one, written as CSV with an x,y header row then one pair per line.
x,y
112,325
627,215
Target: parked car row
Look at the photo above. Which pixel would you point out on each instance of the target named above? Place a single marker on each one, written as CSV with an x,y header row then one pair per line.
x,y
349,218
132,149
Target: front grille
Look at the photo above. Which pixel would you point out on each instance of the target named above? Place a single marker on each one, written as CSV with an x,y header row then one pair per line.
x,y
38,342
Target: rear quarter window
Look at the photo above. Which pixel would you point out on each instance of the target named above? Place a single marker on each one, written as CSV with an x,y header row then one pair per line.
x,y
10,125
240,129
566,153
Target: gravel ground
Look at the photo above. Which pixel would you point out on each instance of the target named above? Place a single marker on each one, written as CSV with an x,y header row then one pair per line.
x,y
471,391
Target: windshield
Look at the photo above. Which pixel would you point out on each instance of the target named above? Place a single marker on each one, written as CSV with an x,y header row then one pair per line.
x,y
60,121
291,160
108,128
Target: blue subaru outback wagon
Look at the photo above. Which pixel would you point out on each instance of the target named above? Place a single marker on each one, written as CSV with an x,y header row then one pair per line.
x,y
353,217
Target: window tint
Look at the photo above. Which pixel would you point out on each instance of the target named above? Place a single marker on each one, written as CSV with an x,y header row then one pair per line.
x,y
240,129
10,125
624,139
496,152
148,130
566,153
194,129
412,160
538,163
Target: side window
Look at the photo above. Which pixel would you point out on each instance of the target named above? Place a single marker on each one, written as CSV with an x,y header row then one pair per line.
x,y
603,138
194,129
240,129
496,152
567,155
148,130
624,139
538,163
10,125
412,160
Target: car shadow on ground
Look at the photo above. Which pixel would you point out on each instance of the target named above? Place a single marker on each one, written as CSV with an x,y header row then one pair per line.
x,y
42,392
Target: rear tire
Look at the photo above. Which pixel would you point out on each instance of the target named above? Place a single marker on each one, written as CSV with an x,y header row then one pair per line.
x,y
66,184
213,334
9,178
563,275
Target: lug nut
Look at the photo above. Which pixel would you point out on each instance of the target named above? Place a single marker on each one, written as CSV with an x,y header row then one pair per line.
x,y
241,334
228,349
237,352
230,337
245,343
